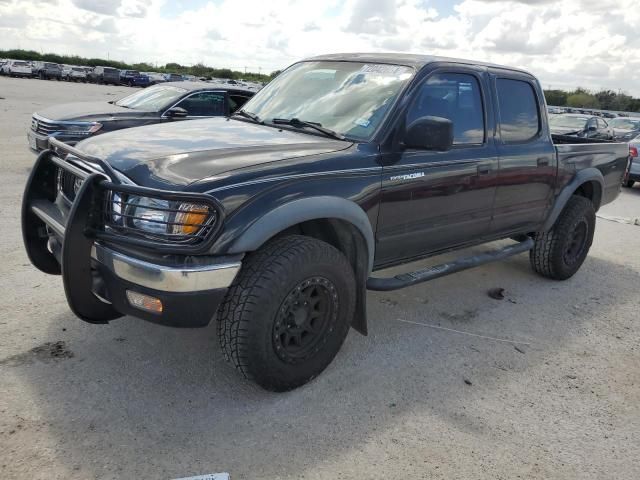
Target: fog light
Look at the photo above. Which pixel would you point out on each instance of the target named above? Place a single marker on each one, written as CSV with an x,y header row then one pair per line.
x,y
144,302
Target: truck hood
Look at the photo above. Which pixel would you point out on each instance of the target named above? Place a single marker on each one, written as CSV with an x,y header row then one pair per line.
x,y
85,111
183,152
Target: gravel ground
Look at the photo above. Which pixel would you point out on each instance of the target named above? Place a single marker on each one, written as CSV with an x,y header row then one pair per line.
x,y
449,384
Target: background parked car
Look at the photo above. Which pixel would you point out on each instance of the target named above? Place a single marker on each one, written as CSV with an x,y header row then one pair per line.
x,y
46,70
586,126
625,129
155,77
634,168
105,75
72,73
167,102
133,78
17,68
173,77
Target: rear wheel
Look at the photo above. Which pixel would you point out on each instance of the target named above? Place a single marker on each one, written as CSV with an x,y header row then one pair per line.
x,y
560,252
288,312
629,183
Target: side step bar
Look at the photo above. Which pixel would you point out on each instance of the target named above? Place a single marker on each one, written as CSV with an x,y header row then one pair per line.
x,y
413,278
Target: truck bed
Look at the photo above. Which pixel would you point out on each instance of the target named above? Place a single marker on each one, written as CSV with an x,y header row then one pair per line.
x,y
576,154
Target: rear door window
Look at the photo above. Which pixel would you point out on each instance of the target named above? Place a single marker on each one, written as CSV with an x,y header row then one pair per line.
x,y
518,106
456,97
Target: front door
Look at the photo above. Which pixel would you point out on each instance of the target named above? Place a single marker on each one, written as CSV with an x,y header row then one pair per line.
x,y
435,200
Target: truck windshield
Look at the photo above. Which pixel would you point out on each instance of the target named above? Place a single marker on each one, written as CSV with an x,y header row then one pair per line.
x,y
350,98
563,121
152,99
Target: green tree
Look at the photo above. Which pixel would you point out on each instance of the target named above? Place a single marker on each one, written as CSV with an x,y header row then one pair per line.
x,y
582,100
556,98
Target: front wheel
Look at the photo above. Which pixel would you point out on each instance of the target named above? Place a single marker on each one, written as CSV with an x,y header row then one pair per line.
x,y
560,252
288,312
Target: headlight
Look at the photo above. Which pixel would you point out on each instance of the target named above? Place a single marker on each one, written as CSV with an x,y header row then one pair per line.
x,y
149,214
161,217
80,128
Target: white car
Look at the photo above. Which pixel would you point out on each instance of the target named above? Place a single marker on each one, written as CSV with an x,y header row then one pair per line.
x,y
72,73
17,68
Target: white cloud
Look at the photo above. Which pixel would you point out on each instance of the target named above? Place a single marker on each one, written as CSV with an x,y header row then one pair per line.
x,y
567,43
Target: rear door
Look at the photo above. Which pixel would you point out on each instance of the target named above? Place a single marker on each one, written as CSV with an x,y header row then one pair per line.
x,y
436,200
528,164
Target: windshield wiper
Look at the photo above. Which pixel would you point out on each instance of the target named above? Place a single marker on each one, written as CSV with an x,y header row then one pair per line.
x,y
297,123
249,115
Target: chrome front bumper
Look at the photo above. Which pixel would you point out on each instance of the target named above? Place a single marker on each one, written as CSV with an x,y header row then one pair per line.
x,y
176,278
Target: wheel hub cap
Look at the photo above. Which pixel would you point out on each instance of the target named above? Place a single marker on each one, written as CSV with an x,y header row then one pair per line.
x,y
305,317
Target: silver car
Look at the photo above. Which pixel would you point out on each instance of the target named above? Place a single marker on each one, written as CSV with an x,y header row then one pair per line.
x,y
634,168
72,73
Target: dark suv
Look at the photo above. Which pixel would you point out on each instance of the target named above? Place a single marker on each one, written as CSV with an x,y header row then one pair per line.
x,y
46,70
133,78
105,75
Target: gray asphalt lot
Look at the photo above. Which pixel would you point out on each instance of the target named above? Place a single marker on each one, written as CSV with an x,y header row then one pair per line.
x,y
450,384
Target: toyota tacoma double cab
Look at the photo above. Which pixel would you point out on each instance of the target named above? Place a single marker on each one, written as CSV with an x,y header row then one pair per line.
x,y
273,219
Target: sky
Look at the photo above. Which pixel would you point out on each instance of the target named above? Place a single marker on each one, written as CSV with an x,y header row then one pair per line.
x,y
568,43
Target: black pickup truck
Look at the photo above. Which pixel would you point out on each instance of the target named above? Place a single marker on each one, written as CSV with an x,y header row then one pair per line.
x,y
273,220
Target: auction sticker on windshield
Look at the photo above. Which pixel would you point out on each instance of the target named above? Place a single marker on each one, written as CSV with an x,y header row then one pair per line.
x,y
382,69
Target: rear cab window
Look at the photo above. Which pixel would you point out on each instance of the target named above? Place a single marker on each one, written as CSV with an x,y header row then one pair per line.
x,y
519,115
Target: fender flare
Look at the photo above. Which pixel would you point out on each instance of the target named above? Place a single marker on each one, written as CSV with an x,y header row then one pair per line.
x,y
302,210
583,176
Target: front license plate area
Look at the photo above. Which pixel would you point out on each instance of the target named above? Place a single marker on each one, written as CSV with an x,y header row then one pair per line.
x,y
33,144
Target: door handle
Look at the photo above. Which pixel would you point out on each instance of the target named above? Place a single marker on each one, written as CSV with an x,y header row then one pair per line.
x,y
543,162
484,169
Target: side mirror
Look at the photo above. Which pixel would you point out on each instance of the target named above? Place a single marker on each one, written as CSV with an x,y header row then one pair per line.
x,y
430,133
176,112
592,128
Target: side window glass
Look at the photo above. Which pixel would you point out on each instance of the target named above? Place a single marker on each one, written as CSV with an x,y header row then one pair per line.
x,y
204,104
519,117
455,96
236,102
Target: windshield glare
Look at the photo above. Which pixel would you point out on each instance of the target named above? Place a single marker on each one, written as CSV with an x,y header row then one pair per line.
x,y
562,121
350,98
152,99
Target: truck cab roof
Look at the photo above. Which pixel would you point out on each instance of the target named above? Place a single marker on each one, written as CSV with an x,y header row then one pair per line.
x,y
407,59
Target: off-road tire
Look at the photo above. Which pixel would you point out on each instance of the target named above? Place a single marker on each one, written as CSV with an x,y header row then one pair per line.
x,y
629,183
559,253
250,319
